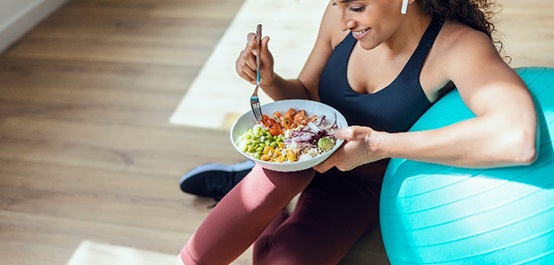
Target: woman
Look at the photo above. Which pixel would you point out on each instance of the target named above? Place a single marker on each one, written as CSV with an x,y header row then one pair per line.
x,y
382,69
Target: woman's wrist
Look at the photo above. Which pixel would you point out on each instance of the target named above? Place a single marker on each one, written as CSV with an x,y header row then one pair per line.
x,y
270,83
271,86
377,142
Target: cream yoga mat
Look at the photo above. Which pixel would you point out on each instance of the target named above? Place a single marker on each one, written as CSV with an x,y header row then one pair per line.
x,y
218,96
93,253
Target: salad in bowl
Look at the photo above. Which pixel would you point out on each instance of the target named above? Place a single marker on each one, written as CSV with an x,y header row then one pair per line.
x,y
293,134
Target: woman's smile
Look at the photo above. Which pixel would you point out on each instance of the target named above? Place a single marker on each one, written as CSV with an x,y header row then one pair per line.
x,y
358,34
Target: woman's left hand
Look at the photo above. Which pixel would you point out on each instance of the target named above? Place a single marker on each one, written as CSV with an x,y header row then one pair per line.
x,y
359,147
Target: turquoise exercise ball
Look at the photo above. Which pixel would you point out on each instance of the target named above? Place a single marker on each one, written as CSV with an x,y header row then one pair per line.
x,y
435,214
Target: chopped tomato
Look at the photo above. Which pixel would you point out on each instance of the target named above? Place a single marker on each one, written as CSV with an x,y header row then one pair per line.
x,y
275,129
273,126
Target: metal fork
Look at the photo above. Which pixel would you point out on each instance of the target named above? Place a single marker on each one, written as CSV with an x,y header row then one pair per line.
x,y
254,100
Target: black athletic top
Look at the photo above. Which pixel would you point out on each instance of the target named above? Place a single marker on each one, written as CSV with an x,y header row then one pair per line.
x,y
393,109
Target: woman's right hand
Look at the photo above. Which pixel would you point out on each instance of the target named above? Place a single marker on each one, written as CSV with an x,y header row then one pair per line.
x,y
246,62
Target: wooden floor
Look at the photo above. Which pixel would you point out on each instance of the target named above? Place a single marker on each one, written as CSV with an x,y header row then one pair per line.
x,y
86,150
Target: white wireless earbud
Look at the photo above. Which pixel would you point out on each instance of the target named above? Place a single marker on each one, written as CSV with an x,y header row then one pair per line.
x,y
404,6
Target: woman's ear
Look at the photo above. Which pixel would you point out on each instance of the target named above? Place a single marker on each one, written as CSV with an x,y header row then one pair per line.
x,y
404,7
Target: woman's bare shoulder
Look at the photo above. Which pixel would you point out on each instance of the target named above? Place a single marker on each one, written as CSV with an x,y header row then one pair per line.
x,y
471,60
457,41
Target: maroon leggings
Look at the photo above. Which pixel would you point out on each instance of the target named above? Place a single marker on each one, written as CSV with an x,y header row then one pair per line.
x,y
333,211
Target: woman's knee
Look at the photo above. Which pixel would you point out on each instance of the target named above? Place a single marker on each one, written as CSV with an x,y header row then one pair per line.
x,y
294,182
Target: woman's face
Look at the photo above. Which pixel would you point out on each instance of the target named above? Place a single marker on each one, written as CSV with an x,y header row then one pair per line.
x,y
371,22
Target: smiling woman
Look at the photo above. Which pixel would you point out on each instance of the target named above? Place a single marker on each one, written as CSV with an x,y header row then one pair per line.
x,y
86,152
382,70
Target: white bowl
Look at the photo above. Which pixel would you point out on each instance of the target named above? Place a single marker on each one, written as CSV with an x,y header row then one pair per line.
x,y
247,120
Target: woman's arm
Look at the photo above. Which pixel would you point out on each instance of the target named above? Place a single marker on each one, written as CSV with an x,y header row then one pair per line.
x,y
305,86
503,133
504,129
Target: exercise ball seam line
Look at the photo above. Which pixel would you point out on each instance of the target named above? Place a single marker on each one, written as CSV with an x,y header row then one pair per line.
x,y
537,76
484,252
536,257
485,232
504,182
402,160
466,178
540,71
480,212
544,88
481,233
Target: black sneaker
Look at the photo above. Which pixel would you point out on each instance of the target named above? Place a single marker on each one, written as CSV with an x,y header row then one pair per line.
x,y
214,180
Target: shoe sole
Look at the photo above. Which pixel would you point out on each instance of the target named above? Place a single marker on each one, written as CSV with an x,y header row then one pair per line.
x,y
217,167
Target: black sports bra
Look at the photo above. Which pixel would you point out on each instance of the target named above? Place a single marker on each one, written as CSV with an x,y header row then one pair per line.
x,y
394,108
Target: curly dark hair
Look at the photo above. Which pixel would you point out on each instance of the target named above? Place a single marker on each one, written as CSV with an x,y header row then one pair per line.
x,y
477,14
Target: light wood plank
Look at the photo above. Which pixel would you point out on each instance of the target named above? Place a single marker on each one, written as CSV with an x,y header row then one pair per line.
x,y
86,152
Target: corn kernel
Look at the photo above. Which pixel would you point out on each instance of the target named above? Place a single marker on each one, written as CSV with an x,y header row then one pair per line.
x,y
291,156
266,149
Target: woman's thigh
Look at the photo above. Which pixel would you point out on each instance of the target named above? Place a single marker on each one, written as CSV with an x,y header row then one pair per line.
x,y
243,214
331,214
